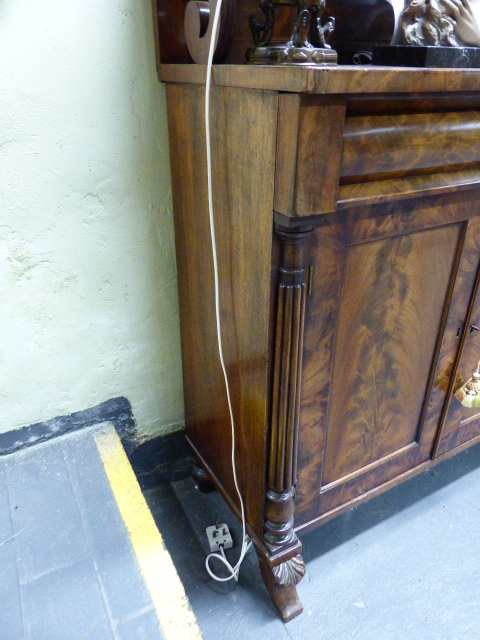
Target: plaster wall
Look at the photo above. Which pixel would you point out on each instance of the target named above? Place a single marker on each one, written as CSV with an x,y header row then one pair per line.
x,y
87,270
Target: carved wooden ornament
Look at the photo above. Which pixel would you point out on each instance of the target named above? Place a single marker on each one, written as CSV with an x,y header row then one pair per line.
x,y
198,25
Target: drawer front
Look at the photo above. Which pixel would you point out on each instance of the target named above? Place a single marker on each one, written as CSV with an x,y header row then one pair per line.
x,y
382,147
329,159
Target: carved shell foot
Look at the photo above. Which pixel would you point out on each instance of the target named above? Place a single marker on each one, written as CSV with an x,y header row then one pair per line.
x,y
289,573
281,583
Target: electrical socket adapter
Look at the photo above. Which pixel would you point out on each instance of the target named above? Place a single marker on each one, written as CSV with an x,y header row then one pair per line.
x,y
219,536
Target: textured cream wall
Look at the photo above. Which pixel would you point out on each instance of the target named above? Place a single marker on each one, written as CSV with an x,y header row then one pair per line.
x,y
87,272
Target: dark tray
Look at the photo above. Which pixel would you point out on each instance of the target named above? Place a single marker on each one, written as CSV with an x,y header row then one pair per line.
x,y
416,56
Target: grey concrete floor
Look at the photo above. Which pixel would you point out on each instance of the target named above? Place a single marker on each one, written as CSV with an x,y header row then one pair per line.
x,y
403,566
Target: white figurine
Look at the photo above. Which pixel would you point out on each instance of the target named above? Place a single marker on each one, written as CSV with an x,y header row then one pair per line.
x,y
437,22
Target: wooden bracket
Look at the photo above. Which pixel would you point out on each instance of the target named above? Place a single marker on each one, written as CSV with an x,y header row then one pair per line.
x,y
199,29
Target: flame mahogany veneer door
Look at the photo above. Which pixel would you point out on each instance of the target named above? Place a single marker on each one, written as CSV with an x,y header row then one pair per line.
x,y
382,288
459,425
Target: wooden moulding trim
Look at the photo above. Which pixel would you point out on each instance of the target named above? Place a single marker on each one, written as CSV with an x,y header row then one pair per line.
x,y
387,80
333,80
390,190
244,76
367,193
369,467
291,303
295,418
287,363
183,73
277,446
280,555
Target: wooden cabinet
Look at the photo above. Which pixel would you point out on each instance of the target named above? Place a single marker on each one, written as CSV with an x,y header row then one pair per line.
x,y
347,215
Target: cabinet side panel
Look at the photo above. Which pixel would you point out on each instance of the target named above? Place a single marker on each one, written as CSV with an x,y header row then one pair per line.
x,y
243,153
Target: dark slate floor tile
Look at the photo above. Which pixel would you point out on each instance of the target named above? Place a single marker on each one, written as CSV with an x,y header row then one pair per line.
x,y
44,509
105,530
66,605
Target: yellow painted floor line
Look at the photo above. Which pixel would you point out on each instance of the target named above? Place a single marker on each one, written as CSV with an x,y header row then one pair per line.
x,y
175,615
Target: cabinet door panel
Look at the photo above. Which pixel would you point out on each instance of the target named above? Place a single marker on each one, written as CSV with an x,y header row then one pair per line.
x,y
382,286
461,424
392,300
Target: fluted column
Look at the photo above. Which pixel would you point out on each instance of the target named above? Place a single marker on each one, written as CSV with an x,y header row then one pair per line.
x,y
284,567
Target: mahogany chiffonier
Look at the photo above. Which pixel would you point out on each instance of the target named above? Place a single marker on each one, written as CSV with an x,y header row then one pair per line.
x,y
347,211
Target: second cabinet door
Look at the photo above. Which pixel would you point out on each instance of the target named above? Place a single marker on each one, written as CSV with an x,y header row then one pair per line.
x,y
383,284
460,353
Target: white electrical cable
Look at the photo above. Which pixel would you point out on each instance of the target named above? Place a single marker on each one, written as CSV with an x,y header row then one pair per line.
x,y
245,542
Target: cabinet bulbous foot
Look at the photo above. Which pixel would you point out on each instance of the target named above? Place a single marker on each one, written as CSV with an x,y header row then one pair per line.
x,y
202,479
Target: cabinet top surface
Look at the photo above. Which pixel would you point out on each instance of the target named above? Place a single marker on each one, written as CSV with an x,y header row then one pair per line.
x,y
334,80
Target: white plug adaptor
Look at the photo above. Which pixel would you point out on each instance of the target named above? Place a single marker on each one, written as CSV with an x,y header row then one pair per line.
x,y
219,536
